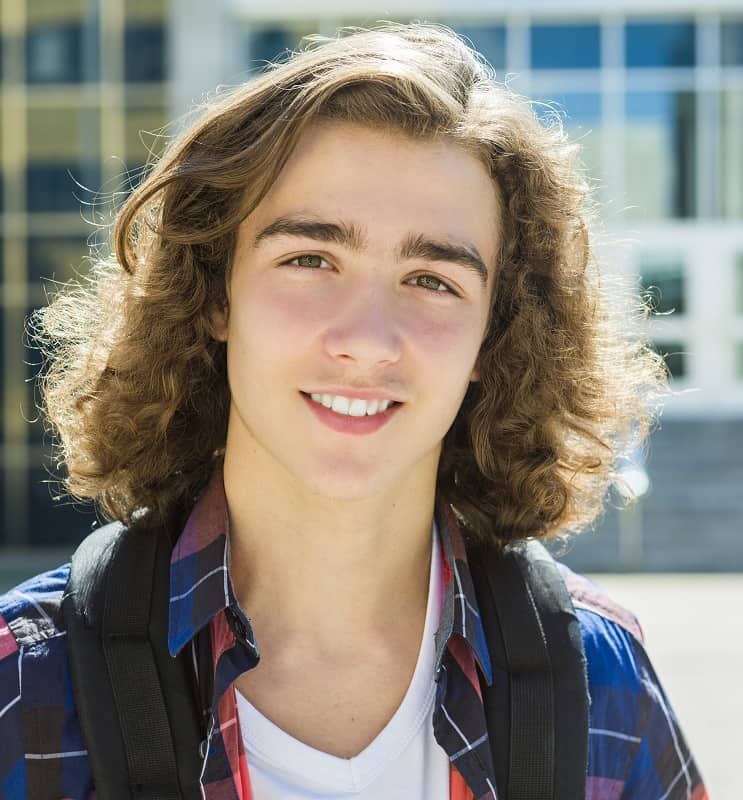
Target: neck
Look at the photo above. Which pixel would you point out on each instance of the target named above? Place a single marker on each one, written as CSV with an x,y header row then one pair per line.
x,y
336,571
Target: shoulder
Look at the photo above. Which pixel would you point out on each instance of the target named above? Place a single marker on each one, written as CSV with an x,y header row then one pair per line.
x,y
32,646
615,656
32,611
587,596
36,707
613,643
613,638
636,746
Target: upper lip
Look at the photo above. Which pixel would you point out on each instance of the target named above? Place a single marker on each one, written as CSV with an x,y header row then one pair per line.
x,y
361,394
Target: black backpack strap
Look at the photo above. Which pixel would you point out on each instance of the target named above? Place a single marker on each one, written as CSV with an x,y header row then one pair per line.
x,y
537,705
131,695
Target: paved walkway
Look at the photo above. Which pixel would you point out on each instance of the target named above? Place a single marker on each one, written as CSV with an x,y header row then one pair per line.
x,y
694,634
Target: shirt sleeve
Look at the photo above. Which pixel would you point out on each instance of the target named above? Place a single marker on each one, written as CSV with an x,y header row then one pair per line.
x,y
12,773
663,765
637,750
42,752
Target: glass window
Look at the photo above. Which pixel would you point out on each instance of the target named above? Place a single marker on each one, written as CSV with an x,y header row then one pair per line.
x,y
61,187
565,46
269,44
659,44
62,53
63,169
54,518
674,355
731,160
489,40
53,54
57,258
662,279
581,116
731,44
660,151
144,53
739,360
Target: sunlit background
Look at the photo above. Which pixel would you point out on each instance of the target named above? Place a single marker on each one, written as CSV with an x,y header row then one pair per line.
x,y
652,90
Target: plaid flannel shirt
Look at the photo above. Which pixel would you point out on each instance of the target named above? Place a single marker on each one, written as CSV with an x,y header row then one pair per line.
x,y
636,749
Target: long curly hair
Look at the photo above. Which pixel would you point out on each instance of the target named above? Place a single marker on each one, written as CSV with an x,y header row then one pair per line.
x,y
135,388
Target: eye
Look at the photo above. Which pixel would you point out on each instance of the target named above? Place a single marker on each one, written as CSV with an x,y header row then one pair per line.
x,y
434,284
307,260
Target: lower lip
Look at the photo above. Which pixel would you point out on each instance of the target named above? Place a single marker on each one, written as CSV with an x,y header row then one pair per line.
x,y
344,423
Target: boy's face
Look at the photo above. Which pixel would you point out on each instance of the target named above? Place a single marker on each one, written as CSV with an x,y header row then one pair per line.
x,y
339,287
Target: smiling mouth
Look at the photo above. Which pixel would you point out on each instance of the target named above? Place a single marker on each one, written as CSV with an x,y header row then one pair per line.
x,y
355,408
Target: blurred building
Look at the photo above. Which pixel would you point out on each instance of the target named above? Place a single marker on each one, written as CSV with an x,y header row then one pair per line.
x,y
653,90
80,80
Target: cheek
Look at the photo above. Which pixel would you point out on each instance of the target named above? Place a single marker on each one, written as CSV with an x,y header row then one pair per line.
x,y
448,340
267,326
290,304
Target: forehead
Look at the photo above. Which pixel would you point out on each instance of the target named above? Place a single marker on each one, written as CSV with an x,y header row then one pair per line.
x,y
387,184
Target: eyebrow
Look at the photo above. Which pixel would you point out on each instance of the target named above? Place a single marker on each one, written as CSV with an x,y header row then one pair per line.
x,y
415,245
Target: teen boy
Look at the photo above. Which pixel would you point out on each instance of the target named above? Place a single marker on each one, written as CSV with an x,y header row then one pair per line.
x,y
355,312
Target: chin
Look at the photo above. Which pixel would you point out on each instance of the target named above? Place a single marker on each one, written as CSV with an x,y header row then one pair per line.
x,y
349,483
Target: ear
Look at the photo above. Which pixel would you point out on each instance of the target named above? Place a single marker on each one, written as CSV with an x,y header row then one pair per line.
x,y
218,318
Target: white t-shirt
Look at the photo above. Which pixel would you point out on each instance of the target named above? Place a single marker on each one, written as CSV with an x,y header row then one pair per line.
x,y
404,762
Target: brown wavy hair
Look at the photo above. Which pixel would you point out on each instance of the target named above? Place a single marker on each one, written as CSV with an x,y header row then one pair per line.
x,y
135,388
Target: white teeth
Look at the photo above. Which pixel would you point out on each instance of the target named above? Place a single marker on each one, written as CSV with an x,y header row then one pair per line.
x,y
355,407
340,404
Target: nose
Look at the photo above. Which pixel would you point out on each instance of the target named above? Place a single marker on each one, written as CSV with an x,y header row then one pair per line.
x,y
365,331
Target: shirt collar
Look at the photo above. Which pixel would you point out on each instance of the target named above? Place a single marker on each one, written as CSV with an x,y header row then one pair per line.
x,y
200,585
460,614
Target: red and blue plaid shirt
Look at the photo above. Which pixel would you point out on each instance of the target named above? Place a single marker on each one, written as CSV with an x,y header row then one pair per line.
x,y
636,749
